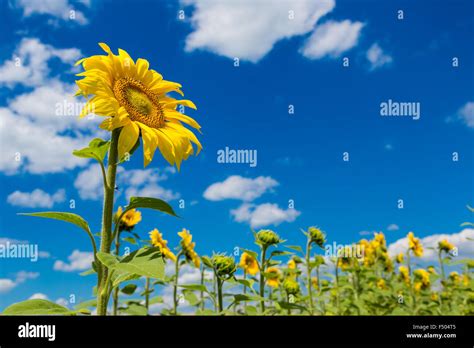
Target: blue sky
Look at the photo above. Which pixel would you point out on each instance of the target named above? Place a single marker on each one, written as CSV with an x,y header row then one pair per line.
x,y
282,62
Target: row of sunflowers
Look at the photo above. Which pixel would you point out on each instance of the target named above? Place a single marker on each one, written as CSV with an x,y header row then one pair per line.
x,y
276,279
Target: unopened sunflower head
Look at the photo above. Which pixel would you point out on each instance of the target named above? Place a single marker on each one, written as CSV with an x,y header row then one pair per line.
x,y
135,98
156,239
248,263
414,244
273,275
187,247
291,286
267,238
223,265
445,246
128,221
316,236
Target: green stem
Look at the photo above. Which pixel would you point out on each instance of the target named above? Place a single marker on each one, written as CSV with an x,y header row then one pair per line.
x,y
337,288
175,286
147,294
116,290
106,233
441,266
308,269
262,278
245,291
202,305
219,294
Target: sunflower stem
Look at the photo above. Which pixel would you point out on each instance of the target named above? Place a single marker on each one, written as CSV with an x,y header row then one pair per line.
x,y
175,285
107,212
262,278
308,269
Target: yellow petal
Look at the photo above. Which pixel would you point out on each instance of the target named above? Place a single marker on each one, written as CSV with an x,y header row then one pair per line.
x,y
185,102
150,142
142,68
173,114
121,119
127,139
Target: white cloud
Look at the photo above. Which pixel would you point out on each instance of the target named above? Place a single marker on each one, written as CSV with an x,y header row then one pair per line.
x,y
377,57
136,182
393,227
58,9
466,114
48,111
38,296
29,63
8,284
78,261
459,240
238,187
264,214
332,39
36,199
248,29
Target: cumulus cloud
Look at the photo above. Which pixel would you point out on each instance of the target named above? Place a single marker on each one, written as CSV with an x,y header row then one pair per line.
x,y
238,187
377,57
459,240
7,285
36,199
48,111
78,261
29,65
466,114
265,214
332,39
248,29
393,227
63,10
136,182
38,296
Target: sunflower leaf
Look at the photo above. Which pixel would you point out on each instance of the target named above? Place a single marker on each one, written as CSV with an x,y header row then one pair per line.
x,y
146,262
35,307
151,203
97,150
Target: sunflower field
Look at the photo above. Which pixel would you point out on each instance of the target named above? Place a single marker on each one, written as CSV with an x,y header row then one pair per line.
x,y
273,278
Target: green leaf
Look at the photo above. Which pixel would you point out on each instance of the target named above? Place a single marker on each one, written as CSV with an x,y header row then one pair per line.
x,y
87,272
97,150
243,298
251,310
107,260
86,304
155,300
129,289
134,309
146,262
207,261
67,217
151,203
280,253
195,287
37,307
191,298
130,240
296,248
123,277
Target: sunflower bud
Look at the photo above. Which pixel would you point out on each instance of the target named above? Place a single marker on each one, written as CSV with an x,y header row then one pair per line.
x,y
223,265
267,238
316,236
291,286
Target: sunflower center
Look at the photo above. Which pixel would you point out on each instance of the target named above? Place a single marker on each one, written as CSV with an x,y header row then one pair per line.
x,y
141,104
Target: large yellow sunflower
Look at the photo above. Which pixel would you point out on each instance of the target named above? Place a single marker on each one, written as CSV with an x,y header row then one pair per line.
x,y
136,99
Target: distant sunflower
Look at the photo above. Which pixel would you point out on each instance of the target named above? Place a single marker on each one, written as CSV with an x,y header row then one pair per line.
x,y
157,240
136,99
273,277
249,264
415,245
128,221
187,246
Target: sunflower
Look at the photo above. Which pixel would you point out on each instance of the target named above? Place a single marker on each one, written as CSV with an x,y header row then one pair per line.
x,y
128,221
292,264
135,98
249,264
415,245
188,247
381,284
445,246
399,258
404,274
158,241
423,276
273,277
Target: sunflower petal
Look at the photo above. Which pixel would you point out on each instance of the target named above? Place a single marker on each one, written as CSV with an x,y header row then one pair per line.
x,y
150,142
127,139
